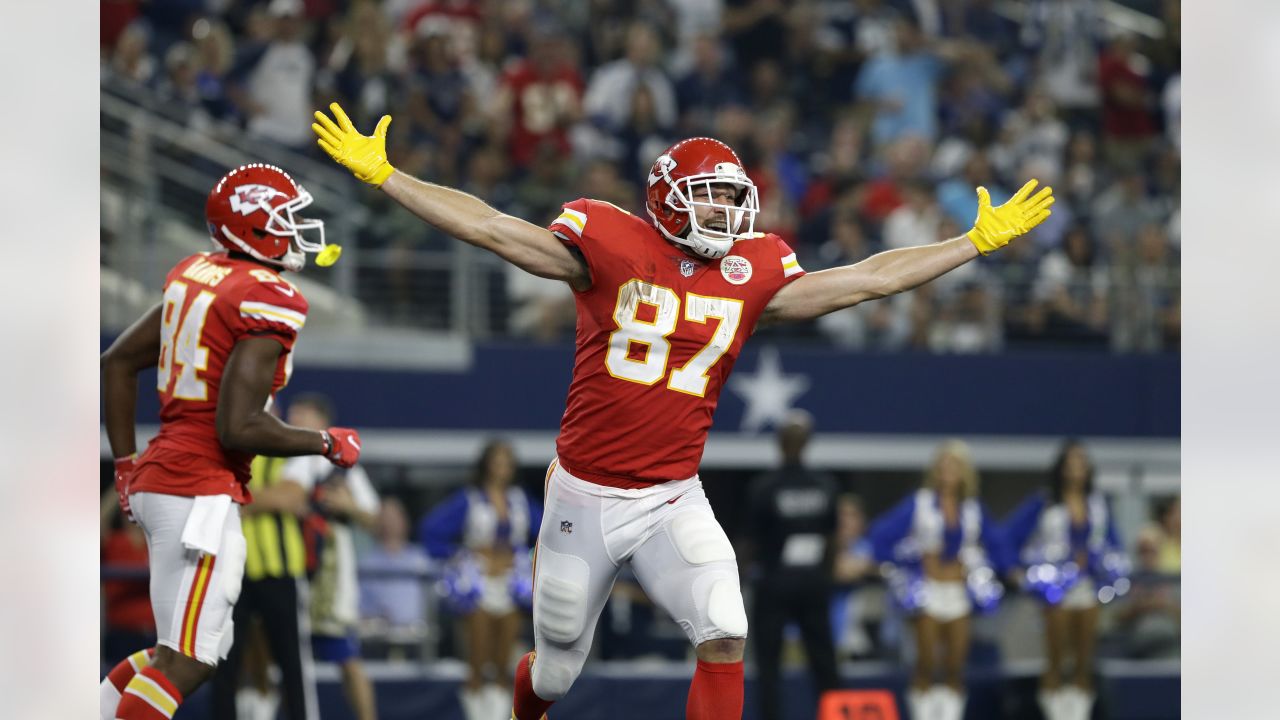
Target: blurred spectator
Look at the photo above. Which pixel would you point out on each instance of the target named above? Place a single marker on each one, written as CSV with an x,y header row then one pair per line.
x,y
1151,618
129,60
611,90
1016,270
1082,176
877,326
1063,35
793,520
485,531
342,501
642,138
854,561
179,89
1034,131
127,623
709,85
695,22
358,70
957,198
539,98
1069,553
1148,281
272,81
215,55
901,87
1071,290
1168,536
1121,209
1128,122
915,221
967,322
400,602
756,30
1171,103
114,16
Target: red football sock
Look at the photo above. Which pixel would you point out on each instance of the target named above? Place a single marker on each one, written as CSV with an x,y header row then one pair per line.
x,y
526,705
149,696
716,692
113,684
122,673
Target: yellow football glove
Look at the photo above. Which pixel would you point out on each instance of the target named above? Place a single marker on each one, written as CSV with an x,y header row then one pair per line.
x,y
365,156
996,226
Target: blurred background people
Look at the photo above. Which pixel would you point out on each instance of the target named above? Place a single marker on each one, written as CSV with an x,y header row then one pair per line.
x,y
1151,618
485,531
392,595
1069,554
944,552
789,553
275,594
854,563
341,501
128,623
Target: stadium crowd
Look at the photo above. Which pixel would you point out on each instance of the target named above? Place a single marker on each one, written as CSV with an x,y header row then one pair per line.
x,y
865,124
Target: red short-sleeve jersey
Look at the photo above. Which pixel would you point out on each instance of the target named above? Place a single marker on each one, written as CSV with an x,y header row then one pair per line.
x,y
658,332
542,102
211,302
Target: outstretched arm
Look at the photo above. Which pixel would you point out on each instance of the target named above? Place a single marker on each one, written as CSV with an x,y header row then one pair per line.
x,y
529,247
896,271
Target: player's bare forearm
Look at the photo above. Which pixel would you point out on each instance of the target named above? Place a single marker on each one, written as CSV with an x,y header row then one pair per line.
x,y
880,275
527,246
242,419
136,349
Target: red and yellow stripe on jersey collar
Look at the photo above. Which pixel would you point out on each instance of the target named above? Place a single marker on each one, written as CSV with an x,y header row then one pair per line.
x,y
195,603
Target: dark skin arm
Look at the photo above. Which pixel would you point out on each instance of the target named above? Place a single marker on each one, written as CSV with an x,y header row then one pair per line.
x,y
243,422
136,349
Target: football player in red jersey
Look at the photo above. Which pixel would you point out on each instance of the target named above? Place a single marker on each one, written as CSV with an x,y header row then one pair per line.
x,y
664,306
221,341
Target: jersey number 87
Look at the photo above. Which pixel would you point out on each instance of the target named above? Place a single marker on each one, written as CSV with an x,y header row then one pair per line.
x,y
651,335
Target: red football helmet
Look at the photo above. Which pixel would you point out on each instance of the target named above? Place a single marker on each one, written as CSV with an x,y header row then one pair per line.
x,y
253,209
699,163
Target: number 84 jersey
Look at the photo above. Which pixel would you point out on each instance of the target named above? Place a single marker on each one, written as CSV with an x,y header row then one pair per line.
x,y
211,302
658,333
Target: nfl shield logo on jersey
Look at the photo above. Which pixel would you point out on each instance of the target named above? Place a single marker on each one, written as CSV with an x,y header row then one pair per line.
x,y
566,527
687,267
735,269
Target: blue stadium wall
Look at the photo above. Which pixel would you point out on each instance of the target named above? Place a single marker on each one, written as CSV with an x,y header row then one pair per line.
x,y
512,386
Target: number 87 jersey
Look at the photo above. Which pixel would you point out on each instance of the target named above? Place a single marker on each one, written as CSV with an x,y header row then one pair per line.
x,y
211,302
658,333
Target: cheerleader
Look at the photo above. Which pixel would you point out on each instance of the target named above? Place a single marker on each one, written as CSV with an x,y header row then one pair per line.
x,y
1065,542
484,532
942,554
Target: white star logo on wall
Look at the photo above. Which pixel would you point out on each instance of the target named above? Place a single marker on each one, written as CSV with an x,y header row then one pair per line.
x,y
768,393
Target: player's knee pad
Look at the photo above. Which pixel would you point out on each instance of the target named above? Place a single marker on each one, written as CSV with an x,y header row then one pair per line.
x,y
699,538
560,597
726,613
554,671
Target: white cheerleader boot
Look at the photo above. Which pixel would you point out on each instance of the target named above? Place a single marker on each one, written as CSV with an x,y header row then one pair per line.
x,y
1050,702
497,702
473,703
950,703
1078,703
918,703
